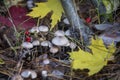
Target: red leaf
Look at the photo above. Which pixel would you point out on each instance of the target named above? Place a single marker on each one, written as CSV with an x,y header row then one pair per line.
x,y
18,15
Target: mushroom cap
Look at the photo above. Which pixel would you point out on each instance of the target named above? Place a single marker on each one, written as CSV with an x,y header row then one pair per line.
x,y
46,61
36,42
59,33
44,73
26,73
33,74
30,3
60,41
27,45
67,33
66,21
72,45
29,73
54,49
43,28
34,30
45,43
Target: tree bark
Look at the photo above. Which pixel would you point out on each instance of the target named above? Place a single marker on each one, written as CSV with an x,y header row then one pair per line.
x,y
75,21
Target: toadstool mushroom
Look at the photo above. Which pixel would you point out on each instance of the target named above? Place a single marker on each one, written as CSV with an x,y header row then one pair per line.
x,y
60,41
30,4
46,61
29,73
26,73
44,73
43,28
66,21
34,30
67,33
27,45
54,49
72,45
59,33
36,43
45,43
33,74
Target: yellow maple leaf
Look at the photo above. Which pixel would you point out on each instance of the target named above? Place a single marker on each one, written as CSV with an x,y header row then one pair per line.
x,y
43,8
95,61
1,61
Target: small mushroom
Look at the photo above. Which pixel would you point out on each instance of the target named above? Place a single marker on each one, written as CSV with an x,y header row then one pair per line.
x,y
30,4
44,73
60,41
54,50
27,45
34,30
45,43
66,21
67,33
43,28
29,73
33,74
36,43
46,61
72,45
26,73
59,33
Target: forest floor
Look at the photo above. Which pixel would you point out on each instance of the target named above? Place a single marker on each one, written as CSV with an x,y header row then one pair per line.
x,y
46,62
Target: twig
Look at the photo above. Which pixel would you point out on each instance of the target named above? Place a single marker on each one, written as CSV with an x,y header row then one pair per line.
x,y
24,21
17,47
10,44
11,20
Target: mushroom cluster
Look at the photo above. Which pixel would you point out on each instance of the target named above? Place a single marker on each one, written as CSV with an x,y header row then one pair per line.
x,y
59,39
28,44
45,41
29,73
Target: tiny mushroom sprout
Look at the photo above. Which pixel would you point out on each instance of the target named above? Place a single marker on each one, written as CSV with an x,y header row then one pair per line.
x,y
36,43
67,32
34,30
44,73
46,43
66,21
30,4
46,61
59,33
54,49
72,45
60,41
27,45
29,73
43,28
